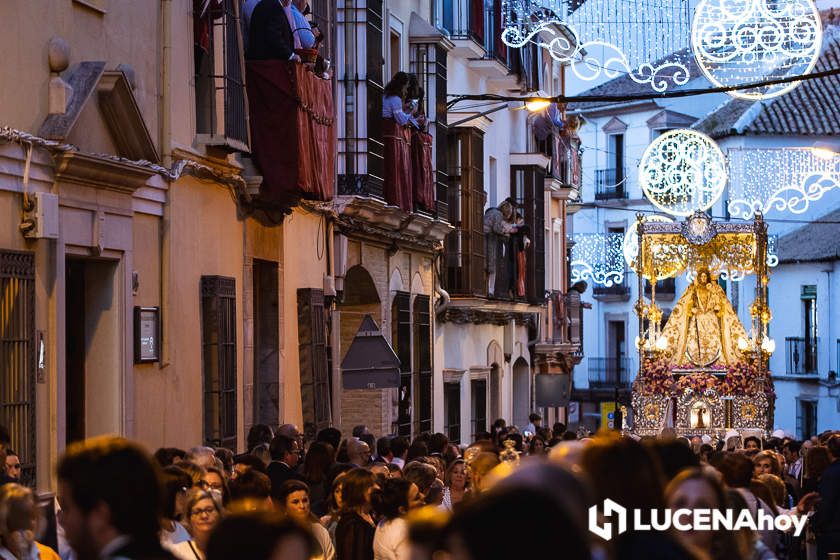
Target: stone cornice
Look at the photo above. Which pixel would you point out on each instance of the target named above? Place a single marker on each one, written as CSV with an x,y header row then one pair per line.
x,y
80,166
482,311
373,216
95,171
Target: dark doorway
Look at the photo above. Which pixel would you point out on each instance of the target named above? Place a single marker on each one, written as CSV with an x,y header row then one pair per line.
x,y
478,388
93,348
75,349
266,344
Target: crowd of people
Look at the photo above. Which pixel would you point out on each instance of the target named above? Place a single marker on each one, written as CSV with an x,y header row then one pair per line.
x,y
510,493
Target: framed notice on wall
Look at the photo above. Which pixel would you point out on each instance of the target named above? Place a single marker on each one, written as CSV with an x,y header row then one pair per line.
x,y
146,334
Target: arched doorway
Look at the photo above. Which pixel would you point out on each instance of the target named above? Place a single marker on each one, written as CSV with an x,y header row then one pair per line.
x,y
360,298
521,392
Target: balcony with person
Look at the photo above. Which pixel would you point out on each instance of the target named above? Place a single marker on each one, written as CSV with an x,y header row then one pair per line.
x,y
391,157
557,137
290,100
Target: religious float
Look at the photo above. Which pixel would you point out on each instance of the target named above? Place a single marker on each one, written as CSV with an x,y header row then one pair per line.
x,y
702,372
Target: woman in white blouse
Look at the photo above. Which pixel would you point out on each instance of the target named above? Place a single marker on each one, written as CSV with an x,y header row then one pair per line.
x,y
397,498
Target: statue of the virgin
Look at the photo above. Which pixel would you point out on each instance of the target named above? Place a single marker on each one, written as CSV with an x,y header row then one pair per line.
x,y
703,329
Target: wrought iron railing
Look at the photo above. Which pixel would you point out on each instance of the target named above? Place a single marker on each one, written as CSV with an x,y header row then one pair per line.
x,y
801,355
493,44
666,287
610,184
608,373
621,288
464,19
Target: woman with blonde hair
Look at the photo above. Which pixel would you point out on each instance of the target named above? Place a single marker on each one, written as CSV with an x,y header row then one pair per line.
x,y
202,512
455,484
18,521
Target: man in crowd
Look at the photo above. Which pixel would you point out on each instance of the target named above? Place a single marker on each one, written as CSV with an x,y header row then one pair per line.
x,y
285,454
13,466
790,451
399,450
110,498
826,519
358,452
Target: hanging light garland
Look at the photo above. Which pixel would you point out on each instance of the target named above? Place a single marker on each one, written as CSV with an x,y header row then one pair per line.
x,y
606,39
790,179
598,258
742,41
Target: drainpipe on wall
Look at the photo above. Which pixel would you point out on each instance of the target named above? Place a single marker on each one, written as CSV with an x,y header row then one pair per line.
x,y
166,153
828,282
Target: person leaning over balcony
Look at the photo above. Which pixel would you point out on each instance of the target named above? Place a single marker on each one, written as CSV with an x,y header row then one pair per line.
x,y
270,34
397,155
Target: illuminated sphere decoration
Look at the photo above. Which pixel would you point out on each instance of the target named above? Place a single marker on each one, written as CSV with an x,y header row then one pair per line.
x,y
631,241
683,171
738,42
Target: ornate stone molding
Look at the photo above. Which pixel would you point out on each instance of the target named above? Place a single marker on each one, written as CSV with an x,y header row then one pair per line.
x,y
481,311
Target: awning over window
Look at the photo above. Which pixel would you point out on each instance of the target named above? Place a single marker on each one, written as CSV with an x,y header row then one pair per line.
x,y
371,362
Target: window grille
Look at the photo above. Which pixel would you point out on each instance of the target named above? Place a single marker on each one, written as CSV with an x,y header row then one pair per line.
x,y
218,341
17,356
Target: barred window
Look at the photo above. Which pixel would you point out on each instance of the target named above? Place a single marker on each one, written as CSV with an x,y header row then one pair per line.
x,y
422,365
17,355
218,341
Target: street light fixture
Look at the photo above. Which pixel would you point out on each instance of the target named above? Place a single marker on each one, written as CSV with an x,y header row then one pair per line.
x,y
826,150
538,103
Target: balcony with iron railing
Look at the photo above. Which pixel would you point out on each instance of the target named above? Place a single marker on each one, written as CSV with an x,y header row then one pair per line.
x,y
665,289
563,179
609,373
616,291
610,184
801,356
464,20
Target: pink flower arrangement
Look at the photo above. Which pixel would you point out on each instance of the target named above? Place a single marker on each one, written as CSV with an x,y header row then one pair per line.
x,y
698,382
740,379
655,378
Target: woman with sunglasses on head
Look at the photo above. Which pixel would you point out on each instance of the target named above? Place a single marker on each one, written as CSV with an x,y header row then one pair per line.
x,y
202,512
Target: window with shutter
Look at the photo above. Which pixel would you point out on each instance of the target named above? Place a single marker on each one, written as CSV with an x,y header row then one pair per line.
x,y
218,341
428,62
465,249
17,356
314,362
361,147
266,343
422,365
221,114
401,340
452,411
527,190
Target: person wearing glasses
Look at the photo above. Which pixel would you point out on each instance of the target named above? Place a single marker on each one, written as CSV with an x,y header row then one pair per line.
x,y
202,512
13,467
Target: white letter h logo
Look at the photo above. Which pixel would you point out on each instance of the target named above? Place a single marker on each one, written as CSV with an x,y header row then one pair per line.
x,y
610,508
